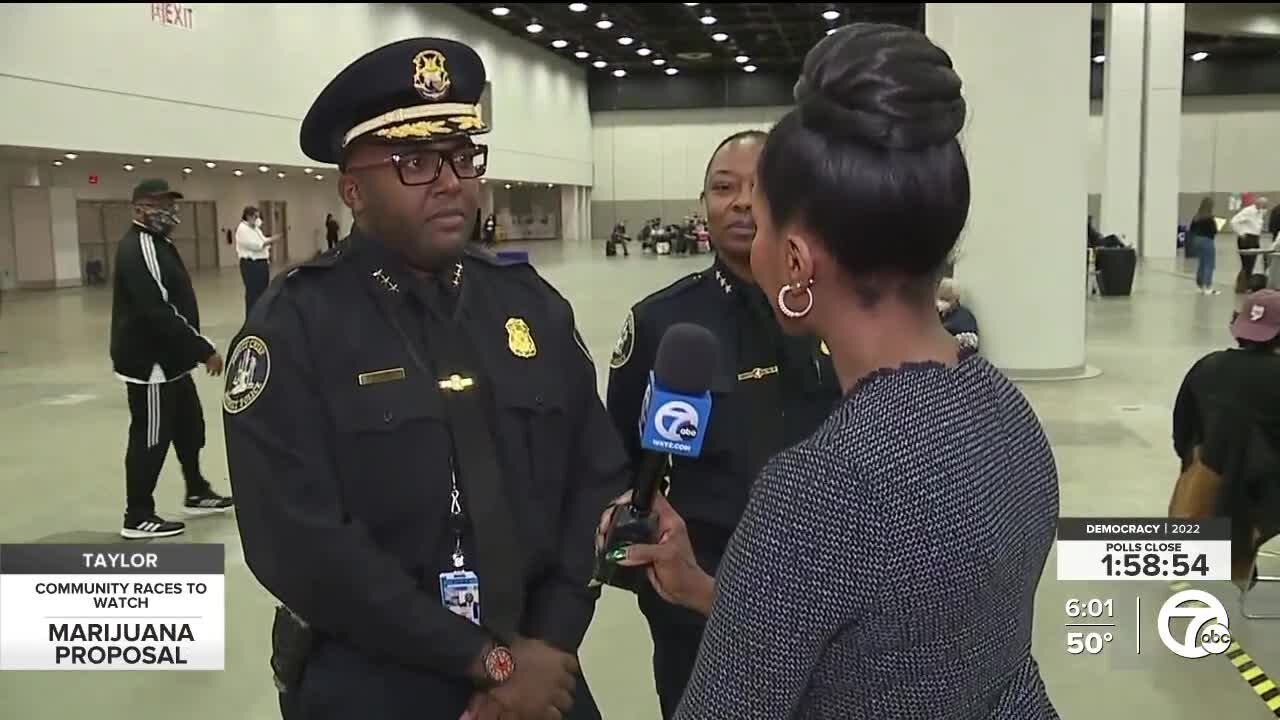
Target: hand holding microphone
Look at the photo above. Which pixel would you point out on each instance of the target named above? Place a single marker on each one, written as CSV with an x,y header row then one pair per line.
x,y
674,420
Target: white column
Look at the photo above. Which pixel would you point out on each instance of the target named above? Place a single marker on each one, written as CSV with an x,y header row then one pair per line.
x,y
569,215
1021,261
1162,128
1122,120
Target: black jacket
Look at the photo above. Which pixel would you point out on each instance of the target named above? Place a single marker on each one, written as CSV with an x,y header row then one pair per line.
x,y
340,439
770,391
155,321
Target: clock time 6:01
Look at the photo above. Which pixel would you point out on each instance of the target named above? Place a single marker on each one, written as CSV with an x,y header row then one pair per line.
x,y
1152,565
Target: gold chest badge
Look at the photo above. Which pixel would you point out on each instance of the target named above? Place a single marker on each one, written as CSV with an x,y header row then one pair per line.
x,y
519,340
430,77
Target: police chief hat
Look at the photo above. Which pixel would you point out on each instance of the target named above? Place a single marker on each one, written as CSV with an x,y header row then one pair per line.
x,y
420,89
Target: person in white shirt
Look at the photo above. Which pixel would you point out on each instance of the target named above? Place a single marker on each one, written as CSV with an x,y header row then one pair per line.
x,y
1248,224
254,250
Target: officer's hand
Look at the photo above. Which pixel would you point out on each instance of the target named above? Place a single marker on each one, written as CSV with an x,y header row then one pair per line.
x,y
607,517
673,570
214,364
541,688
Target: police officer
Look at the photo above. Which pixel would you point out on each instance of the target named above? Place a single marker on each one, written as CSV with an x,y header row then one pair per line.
x,y
771,391
415,430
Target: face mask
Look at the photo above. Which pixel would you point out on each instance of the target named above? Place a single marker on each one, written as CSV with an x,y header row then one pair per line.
x,y
257,222
944,307
162,220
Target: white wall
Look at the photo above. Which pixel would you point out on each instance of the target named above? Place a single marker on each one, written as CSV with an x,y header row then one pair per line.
x,y
235,87
1229,144
661,154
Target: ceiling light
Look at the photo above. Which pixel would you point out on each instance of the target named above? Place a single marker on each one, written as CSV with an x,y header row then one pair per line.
x,y
692,4
186,171
625,40
551,184
1099,59
318,177
749,68
211,164
644,52
659,62
719,37
280,175
558,44
57,163
237,173
742,59
263,168
146,160
832,31
484,181
128,167
600,64
671,71
507,186
71,156
1199,56
831,14
619,73
707,19
501,11
604,23
306,171
582,54
534,27
577,7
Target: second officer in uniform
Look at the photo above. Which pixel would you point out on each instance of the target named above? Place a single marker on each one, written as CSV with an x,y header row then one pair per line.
x,y
413,430
772,390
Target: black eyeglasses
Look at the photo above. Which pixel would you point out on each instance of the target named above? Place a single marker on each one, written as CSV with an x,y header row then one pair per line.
x,y
423,167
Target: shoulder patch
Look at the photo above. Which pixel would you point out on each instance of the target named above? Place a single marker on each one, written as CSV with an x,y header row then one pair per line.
x,y
248,370
626,343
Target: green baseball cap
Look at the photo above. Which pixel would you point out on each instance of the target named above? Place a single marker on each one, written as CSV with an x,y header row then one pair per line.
x,y
155,187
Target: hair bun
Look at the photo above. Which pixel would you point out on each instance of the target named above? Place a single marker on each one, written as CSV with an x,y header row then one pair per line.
x,y
886,85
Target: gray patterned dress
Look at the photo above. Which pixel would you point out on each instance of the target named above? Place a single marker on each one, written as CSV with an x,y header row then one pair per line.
x,y
887,566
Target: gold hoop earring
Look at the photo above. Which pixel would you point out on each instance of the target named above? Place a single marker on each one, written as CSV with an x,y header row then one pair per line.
x,y
782,299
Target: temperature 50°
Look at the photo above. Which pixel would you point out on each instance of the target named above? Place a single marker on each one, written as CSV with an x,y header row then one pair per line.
x,y
1087,642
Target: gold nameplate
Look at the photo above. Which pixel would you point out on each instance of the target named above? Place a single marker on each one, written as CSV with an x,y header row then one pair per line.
x,y
758,373
456,383
381,376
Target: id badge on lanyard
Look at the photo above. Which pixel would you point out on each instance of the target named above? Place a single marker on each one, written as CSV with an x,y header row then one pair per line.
x,y
460,588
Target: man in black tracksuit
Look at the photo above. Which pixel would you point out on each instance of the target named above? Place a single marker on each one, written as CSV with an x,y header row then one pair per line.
x,y
155,344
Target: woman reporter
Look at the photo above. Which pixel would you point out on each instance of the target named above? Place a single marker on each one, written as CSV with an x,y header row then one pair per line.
x,y
886,566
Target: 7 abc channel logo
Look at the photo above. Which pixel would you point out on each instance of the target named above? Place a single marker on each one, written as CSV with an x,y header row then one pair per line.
x,y
1206,632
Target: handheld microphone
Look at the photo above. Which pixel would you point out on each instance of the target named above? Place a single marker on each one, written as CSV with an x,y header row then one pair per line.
x,y
673,421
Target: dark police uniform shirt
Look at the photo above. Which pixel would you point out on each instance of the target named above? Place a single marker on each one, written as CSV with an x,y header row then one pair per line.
x,y
770,391
339,449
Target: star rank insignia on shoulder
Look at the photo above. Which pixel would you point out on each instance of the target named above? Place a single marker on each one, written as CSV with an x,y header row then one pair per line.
x,y
381,276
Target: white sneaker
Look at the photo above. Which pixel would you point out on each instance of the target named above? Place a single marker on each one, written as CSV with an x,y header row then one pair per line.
x,y
1212,291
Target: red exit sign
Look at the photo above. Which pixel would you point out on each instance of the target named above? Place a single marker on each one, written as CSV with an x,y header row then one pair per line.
x,y
93,179
173,15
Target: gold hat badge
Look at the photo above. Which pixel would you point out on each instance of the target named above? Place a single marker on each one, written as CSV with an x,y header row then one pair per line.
x,y
519,340
430,77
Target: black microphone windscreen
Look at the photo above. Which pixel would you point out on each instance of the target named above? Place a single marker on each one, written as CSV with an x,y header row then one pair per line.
x,y
687,358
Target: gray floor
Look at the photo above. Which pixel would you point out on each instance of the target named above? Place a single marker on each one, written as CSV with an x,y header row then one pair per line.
x,y
63,419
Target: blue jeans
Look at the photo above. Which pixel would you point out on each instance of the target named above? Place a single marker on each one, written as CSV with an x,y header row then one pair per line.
x,y
1204,249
